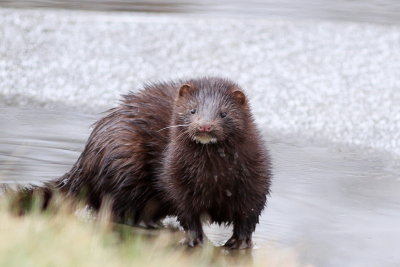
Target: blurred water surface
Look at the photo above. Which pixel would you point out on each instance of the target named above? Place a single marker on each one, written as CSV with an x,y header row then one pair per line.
x,y
334,207
380,11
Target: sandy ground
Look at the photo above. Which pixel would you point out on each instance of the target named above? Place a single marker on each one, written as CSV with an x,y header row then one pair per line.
x,y
331,80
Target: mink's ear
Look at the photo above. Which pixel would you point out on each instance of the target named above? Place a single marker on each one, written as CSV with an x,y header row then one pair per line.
x,y
185,90
239,97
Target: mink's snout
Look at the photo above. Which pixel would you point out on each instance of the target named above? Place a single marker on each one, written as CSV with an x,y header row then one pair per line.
x,y
205,132
205,127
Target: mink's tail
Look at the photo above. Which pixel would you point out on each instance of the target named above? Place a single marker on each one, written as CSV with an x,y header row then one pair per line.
x,y
23,199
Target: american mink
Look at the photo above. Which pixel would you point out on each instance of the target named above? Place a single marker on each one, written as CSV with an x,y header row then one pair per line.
x,y
186,148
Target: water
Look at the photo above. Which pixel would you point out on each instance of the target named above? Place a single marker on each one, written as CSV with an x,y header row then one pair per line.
x,y
330,206
381,11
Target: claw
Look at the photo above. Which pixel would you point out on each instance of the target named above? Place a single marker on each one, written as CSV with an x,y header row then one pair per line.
x,y
191,242
235,243
149,225
192,239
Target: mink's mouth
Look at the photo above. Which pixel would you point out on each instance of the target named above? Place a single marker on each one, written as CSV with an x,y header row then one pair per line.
x,y
204,138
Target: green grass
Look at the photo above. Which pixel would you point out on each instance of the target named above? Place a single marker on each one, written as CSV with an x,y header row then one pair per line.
x,y
61,238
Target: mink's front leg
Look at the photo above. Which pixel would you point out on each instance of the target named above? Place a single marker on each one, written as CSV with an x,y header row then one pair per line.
x,y
243,229
193,230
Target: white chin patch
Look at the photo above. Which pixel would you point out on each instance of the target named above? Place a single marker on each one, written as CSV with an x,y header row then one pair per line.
x,y
205,139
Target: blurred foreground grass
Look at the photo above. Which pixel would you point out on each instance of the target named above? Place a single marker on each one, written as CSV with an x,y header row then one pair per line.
x,y
59,237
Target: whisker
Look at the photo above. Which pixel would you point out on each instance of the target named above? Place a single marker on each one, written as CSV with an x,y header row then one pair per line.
x,y
181,134
173,126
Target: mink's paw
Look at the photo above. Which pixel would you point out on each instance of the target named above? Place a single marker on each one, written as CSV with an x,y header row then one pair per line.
x,y
150,225
236,243
192,240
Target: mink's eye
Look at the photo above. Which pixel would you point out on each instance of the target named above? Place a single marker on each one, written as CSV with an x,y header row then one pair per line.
x,y
223,114
193,111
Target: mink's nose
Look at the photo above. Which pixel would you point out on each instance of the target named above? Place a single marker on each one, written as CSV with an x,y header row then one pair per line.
x,y
205,128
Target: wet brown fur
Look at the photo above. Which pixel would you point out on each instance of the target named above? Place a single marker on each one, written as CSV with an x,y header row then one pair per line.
x,y
150,168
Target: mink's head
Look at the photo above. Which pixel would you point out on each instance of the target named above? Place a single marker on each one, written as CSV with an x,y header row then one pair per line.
x,y
210,110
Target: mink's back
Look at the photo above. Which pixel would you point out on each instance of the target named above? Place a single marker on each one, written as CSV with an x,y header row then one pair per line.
x,y
122,155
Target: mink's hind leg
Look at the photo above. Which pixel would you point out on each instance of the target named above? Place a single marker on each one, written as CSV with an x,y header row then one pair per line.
x,y
242,233
152,214
193,229
147,215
